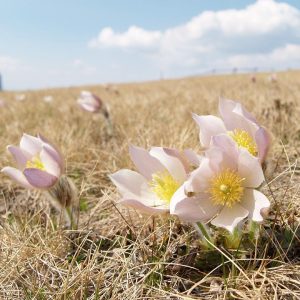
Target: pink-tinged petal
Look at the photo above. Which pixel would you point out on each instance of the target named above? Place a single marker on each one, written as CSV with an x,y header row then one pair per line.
x,y
133,186
229,218
236,117
249,168
227,106
17,176
130,183
39,179
88,106
175,153
90,102
192,209
263,141
199,179
91,98
170,162
193,158
223,153
54,151
30,144
256,203
209,126
20,156
51,165
161,208
145,163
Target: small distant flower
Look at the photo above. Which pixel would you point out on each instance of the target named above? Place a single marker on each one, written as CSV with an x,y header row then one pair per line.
x,y
20,97
39,163
111,88
162,171
253,78
273,77
2,103
222,189
90,102
48,99
238,124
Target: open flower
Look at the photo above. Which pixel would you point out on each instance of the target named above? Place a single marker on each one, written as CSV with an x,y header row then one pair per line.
x,y
239,125
222,189
48,98
20,97
161,172
39,163
90,102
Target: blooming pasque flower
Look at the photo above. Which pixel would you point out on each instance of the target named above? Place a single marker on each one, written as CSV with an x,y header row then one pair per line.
x,y
161,172
39,163
238,124
223,187
90,102
20,97
48,98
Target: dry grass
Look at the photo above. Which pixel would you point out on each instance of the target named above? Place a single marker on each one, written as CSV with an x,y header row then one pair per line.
x,y
118,254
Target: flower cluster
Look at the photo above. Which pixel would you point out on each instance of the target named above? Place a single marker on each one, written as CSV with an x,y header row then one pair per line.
x,y
219,186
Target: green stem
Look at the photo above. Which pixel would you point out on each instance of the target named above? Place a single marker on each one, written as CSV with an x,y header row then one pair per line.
x,y
204,234
254,227
63,196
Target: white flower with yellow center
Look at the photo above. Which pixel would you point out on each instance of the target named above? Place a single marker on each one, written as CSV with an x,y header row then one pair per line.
x,y
223,187
39,163
161,173
239,125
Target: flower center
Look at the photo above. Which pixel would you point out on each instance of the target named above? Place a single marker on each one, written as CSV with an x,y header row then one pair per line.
x,y
164,186
226,188
35,163
243,139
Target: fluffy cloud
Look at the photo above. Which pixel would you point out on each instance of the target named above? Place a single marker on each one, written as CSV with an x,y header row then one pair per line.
x,y
286,56
134,37
265,29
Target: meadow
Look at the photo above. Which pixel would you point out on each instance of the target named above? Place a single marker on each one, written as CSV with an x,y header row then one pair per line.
x,y
117,253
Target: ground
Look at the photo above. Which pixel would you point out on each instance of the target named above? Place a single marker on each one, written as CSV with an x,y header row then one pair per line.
x,y
116,253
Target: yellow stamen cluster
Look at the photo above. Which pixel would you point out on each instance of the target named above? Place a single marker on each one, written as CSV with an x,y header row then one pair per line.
x,y
243,139
35,163
164,186
226,188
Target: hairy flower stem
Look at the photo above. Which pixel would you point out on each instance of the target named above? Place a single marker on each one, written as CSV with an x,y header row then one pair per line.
x,y
253,231
64,197
204,234
109,124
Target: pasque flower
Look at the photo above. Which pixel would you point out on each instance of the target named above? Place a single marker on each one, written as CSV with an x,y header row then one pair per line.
x,y
239,125
90,102
48,98
161,173
223,188
39,163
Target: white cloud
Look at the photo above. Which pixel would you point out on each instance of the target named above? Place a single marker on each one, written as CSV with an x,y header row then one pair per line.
x,y
286,56
263,29
134,37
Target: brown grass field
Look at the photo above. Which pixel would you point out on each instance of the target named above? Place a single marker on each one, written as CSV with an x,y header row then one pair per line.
x,y
116,253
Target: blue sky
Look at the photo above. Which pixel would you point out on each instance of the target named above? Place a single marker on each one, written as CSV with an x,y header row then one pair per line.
x,y
63,43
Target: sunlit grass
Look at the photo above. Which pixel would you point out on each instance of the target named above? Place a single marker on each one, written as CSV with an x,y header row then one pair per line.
x,y
118,254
